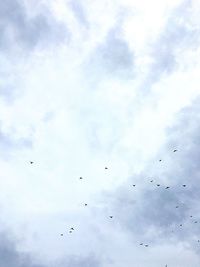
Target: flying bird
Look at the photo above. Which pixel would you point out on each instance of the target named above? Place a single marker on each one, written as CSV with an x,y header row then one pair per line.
x,y
175,150
71,228
195,222
198,240
160,159
151,181
61,234
111,217
141,244
133,184
106,168
176,207
81,178
31,162
158,184
146,245
167,187
70,231
184,185
85,204
191,216
181,225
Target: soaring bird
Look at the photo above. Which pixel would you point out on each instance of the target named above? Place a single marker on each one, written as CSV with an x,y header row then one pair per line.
x,y
151,181
146,245
160,159
191,216
133,184
111,217
31,162
184,185
85,204
176,207
70,231
195,222
61,234
198,240
106,168
71,228
181,225
81,178
167,187
175,150
158,184
141,244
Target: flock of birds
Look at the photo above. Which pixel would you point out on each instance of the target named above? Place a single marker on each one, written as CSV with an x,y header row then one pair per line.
x,y
111,216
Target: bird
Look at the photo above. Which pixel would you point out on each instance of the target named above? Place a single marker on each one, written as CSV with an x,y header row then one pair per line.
x,y
181,225
141,244
167,187
106,168
175,150
151,181
195,222
191,216
85,204
81,178
61,234
158,184
31,162
71,228
176,207
111,217
160,159
146,245
184,185
70,231
198,241
133,184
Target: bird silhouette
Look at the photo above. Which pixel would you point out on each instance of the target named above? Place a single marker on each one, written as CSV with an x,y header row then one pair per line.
x,y
151,181
70,231
167,187
141,244
191,216
111,217
195,222
184,185
175,150
31,162
61,234
176,207
146,245
85,204
81,178
158,184
133,184
181,225
106,168
71,228
160,159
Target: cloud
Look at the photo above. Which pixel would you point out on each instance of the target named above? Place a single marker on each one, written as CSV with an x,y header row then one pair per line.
x,y
19,30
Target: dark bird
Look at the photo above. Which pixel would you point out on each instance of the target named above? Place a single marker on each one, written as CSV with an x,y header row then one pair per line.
x,y
167,187
133,184
151,181
175,150
198,240
141,244
176,207
106,168
184,185
81,178
70,231
158,184
85,204
71,228
111,217
61,234
31,162
160,159
181,225
146,245
191,216
195,222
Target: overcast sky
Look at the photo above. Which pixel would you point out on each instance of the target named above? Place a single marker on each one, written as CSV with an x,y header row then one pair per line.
x,y
89,84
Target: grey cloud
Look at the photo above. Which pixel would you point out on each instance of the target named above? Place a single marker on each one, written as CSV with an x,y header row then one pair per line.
x,y
113,57
146,206
17,28
79,12
179,33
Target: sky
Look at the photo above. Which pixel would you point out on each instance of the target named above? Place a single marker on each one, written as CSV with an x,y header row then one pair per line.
x,y
91,84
